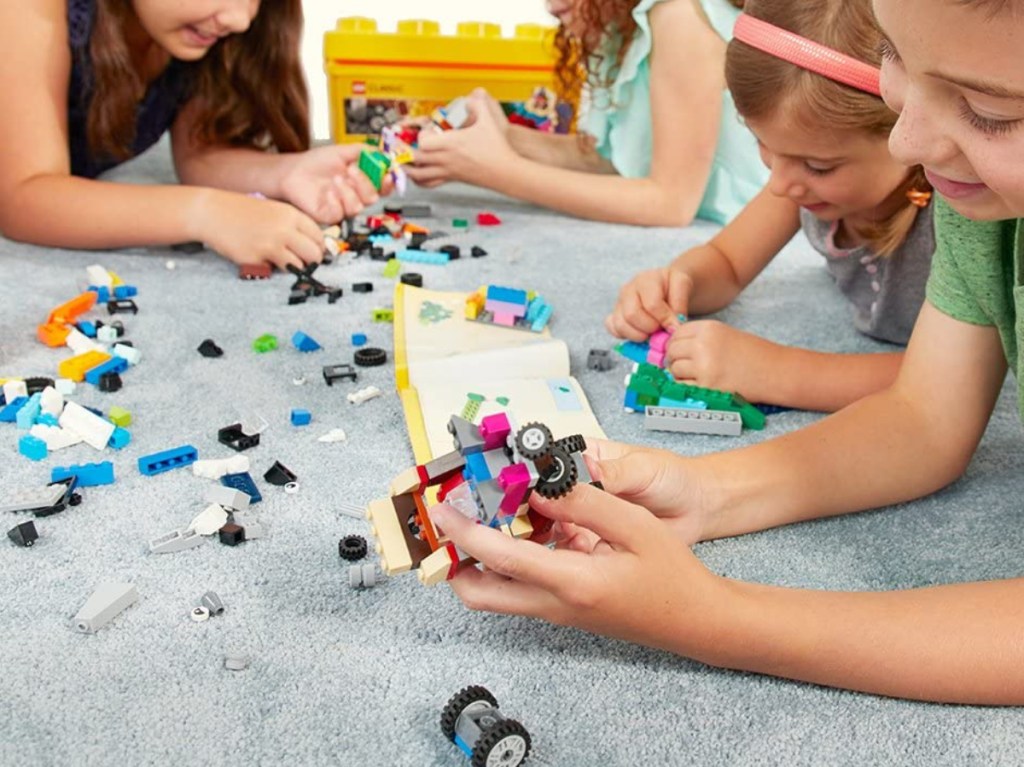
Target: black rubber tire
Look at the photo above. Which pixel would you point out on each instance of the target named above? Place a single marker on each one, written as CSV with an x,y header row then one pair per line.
x,y
561,477
573,444
370,357
534,441
352,548
503,734
457,704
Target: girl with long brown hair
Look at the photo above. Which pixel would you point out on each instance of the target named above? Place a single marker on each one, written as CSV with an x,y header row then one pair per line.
x,y
660,144
88,84
823,130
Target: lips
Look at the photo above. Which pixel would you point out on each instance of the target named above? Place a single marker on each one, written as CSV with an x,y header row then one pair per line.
x,y
954,190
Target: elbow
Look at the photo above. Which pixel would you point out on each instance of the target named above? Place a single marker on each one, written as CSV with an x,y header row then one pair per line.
x,y
673,208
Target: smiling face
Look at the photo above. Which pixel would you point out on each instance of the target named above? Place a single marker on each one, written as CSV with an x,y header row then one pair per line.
x,y
187,29
834,174
961,100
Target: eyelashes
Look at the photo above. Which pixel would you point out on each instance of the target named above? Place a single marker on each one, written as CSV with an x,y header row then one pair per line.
x,y
985,124
887,52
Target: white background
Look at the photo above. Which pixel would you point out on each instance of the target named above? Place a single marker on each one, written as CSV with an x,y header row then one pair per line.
x,y
321,15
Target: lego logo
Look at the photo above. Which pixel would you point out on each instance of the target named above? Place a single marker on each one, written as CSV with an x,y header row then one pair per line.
x,y
359,87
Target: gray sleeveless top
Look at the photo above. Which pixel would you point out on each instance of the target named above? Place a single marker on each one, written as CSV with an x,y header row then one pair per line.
x,y
156,112
886,293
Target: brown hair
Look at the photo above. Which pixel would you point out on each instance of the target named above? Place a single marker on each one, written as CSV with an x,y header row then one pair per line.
x,y
760,82
249,88
579,56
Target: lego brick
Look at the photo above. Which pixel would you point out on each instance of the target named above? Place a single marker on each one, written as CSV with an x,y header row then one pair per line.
x,y
70,311
235,437
55,437
109,600
359,339
53,334
494,430
27,499
334,435
65,386
120,438
24,534
119,416
244,483
97,275
375,165
466,436
212,602
79,343
507,295
166,460
265,343
88,475
487,219
362,395
362,576
209,520
122,306
179,540
721,422
340,372
51,401
279,474
27,413
14,390
209,349
227,497
9,413
94,430
76,367
232,534
423,257
112,365
217,468
300,417
362,287
304,343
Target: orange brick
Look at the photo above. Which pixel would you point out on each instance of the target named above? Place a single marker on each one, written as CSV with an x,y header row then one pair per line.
x,y
70,311
53,333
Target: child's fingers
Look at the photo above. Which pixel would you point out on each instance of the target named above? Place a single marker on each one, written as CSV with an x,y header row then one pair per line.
x,y
306,246
632,320
523,561
492,592
361,184
425,176
678,297
618,522
350,202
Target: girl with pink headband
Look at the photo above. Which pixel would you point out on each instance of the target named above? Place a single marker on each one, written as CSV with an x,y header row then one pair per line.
x,y
804,76
625,566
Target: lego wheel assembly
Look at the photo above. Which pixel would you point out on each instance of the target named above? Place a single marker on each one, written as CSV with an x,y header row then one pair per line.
x,y
476,697
533,441
558,475
472,721
504,744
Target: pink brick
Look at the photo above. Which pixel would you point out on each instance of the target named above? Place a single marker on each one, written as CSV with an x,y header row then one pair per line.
x,y
659,340
505,307
494,429
515,481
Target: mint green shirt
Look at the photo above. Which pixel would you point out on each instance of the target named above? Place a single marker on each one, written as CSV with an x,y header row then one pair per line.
x,y
978,277
619,118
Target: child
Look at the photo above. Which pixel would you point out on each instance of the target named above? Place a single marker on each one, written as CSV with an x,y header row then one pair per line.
x,y
961,98
825,141
664,143
87,84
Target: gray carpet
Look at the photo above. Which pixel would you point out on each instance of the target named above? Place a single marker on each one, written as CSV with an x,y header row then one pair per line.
x,y
359,677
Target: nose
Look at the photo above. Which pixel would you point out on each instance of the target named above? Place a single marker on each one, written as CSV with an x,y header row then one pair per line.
x,y
236,16
917,137
785,180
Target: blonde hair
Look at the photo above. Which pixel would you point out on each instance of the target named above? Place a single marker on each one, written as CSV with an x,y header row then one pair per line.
x,y
760,82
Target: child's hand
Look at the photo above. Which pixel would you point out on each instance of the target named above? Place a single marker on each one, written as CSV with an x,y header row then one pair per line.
x,y
650,301
473,154
326,182
248,230
712,354
635,583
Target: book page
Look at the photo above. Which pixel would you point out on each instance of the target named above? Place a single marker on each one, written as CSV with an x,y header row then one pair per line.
x,y
557,402
441,345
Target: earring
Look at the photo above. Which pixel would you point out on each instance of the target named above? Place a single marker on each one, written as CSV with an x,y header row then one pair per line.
x,y
919,198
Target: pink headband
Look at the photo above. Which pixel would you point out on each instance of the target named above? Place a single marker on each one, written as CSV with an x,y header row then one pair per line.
x,y
807,54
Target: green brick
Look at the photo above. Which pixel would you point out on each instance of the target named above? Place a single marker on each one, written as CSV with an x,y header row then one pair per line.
x,y
375,165
265,343
120,416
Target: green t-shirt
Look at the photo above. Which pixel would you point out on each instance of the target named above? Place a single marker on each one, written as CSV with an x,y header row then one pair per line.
x,y
978,277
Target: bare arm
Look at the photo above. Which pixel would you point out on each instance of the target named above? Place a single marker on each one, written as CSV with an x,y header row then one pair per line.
x,y
40,201
687,82
912,439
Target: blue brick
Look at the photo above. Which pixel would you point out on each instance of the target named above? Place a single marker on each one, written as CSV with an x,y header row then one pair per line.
x,y
119,438
32,447
476,465
510,295
87,474
166,460
102,293
10,411
304,343
633,351
125,291
28,413
48,419
358,339
301,417
243,482
113,365
542,318
87,328
423,257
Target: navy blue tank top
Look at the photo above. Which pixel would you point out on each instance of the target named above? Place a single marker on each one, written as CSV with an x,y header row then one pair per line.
x,y
160,105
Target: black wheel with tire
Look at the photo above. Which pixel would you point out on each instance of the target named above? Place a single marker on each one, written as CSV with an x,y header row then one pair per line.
x,y
505,744
533,441
573,444
560,475
459,702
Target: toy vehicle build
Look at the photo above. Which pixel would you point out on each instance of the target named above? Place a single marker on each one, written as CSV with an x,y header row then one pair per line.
x,y
471,720
488,477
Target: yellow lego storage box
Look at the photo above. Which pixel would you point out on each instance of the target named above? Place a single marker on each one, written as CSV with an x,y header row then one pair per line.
x,y
379,78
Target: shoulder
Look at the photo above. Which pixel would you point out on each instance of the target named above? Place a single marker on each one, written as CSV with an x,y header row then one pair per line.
x,y
680,32
961,235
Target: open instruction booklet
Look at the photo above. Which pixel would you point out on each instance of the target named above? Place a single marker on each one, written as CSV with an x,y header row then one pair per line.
x,y
448,365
